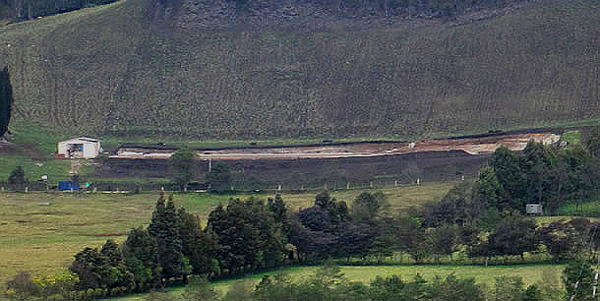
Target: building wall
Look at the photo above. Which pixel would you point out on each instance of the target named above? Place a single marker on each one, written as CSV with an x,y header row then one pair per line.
x,y
90,149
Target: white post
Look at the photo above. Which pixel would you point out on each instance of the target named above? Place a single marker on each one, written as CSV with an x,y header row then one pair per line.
x,y
348,186
371,184
26,189
209,164
396,183
462,178
301,187
2,188
162,188
279,187
418,181
596,278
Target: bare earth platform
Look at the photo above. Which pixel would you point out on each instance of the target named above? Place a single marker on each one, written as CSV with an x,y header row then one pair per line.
x,y
470,145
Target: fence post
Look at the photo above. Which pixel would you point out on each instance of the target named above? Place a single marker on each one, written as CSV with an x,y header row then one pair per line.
x,y
301,187
348,186
418,181
26,189
396,183
279,187
371,184
2,188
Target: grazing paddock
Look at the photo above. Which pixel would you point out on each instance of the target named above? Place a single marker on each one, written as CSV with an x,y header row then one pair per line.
x,y
43,238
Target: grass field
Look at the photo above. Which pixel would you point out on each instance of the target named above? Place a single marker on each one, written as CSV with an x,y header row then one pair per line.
x,y
53,234
531,274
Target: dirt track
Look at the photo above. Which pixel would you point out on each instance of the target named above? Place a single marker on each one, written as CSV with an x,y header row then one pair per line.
x,y
473,146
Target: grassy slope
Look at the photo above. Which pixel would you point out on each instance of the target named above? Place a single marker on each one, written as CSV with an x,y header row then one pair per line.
x,y
535,66
53,234
546,275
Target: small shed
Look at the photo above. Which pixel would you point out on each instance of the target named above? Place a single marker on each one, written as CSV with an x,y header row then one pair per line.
x,y
534,209
82,147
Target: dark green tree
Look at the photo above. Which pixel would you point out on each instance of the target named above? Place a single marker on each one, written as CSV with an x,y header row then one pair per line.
x,y
92,268
199,246
412,238
456,207
537,165
507,167
164,228
514,235
367,207
337,210
141,258
119,276
6,100
355,240
444,240
279,211
248,235
181,164
488,191
17,176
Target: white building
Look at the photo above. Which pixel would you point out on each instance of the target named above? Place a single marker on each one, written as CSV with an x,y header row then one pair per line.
x,y
82,147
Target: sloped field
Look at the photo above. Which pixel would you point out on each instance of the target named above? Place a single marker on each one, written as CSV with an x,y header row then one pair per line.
x,y
109,70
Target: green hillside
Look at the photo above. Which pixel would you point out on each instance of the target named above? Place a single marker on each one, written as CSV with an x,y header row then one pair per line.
x,y
111,70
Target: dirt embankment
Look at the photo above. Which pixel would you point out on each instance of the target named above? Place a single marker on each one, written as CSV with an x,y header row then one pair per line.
x,y
472,146
295,167
295,174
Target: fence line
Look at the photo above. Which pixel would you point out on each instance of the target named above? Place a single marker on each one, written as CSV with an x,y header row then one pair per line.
x,y
236,186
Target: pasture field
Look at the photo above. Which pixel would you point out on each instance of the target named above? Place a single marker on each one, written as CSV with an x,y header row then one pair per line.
x,y
43,238
531,274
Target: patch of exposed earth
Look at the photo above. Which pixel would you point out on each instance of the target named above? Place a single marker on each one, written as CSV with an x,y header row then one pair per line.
x,y
472,146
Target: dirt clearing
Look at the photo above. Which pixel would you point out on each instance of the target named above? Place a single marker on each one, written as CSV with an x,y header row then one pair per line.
x,y
472,146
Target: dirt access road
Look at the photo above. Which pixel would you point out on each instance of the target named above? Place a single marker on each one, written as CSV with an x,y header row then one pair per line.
x,y
483,144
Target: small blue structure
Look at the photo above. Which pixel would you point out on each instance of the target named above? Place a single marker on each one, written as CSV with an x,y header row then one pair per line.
x,y
68,186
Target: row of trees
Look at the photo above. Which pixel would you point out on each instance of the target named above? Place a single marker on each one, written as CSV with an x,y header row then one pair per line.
x,y
251,235
541,174
329,284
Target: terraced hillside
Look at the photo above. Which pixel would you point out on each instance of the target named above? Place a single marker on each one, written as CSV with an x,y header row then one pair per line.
x,y
117,70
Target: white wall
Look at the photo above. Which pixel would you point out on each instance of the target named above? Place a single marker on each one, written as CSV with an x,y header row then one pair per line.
x,y
90,149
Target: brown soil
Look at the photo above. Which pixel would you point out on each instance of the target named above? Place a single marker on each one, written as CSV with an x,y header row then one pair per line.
x,y
473,146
